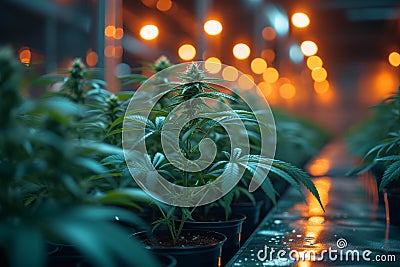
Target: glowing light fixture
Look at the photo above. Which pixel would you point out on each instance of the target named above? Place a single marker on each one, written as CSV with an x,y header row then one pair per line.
x,y
241,51
268,54
91,58
265,88
119,33
164,5
149,32
300,20
213,27
109,31
268,33
258,65
308,48
246,81
271,75
230,73
314,62
213,65
394,59
287,91
109,51
319,74
321,87
25,55
187,52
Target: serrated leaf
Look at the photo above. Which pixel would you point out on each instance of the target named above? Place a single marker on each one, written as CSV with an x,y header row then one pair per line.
x,y
391,173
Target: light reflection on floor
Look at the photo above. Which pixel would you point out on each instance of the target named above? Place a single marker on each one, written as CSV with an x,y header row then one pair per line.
x,y
351,212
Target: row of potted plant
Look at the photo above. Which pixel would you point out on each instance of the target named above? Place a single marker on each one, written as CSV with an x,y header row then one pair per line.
x,y
68,191
52,210
377,142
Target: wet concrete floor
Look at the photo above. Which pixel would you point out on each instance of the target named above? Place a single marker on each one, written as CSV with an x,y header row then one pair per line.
x,y
351,232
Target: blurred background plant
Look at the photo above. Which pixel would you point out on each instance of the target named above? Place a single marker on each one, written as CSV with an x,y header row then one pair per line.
x,y
377,142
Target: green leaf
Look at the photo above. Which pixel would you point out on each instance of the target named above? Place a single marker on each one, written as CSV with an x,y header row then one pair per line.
x,y
99,147
231,171
389,158
269,190
90,164
391,173
285,176
26,239
215,95
124,95
302,177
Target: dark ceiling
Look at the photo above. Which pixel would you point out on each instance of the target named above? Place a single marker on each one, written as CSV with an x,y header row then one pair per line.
x,y
346,31
354,38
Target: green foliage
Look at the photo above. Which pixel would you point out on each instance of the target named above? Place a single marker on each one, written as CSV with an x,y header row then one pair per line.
x,y
47,178
377,141
298,139
195,84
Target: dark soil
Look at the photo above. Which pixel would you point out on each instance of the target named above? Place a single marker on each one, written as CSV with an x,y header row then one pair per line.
x,y
185,240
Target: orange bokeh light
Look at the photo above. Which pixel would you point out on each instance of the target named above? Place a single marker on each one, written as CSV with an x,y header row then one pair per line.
x,y
319,74
319,167
321,87
91,58
287,91
268,33
271,75
394,59
25,55
109,31
187,52
246,81
268,55
164,5
119,33
258,65
265,88
230,73
314,62
213,65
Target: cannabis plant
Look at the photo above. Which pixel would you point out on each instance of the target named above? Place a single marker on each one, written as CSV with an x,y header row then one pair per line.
x,y
187,93
383,146
45,182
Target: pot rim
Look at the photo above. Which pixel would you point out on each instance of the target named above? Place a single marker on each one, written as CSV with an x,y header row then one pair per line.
x,y
222,238
237,219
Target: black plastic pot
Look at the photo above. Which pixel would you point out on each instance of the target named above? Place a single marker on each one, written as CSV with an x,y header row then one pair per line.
x,y
167,260
232,229
392,206
193,256
252,213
